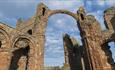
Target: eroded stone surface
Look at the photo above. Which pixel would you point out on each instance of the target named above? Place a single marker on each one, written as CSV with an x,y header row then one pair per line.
x,y
26,42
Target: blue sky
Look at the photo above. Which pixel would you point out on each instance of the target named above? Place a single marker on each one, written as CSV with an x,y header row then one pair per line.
x,y
11,10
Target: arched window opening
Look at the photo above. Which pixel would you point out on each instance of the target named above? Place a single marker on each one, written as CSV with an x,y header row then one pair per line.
x,y
30,32
82,17
20,59
43,11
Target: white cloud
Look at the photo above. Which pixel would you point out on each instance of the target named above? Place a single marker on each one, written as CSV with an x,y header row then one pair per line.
x,y
63,4
64,22
110,2
20,3
88,3
106,3
60,23
54,61
52,41
101,3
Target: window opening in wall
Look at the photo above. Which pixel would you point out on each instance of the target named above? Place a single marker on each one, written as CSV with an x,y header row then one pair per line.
x,y
43,11
30,32
82,17
0,44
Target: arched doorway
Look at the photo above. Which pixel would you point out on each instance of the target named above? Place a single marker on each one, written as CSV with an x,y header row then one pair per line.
x,y
21,55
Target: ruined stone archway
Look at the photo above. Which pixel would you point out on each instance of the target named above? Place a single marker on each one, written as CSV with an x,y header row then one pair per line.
x,y
53,12
23,56
41,19
65,12
42,15
55,33
93,39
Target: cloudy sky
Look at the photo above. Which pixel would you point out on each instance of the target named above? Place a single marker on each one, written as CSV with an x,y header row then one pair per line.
x,y
11,10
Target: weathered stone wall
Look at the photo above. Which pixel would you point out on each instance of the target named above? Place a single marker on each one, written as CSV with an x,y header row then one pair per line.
x,y
73,53
26,41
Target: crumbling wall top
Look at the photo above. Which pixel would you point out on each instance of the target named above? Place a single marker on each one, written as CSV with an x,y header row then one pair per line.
x,y
110,10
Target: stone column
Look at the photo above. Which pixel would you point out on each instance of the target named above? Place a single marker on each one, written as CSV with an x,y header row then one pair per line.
x,y
5,58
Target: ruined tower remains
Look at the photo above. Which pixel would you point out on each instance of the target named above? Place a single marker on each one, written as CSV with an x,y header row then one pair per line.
x,y
73,54
22,48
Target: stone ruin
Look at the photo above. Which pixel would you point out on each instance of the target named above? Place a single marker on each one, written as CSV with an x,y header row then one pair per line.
x,y
22,48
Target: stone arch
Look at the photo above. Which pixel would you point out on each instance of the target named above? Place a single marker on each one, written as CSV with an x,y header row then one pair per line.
x,y
41,20
24,55
43,23
30,39
4,39
63,12
68,13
